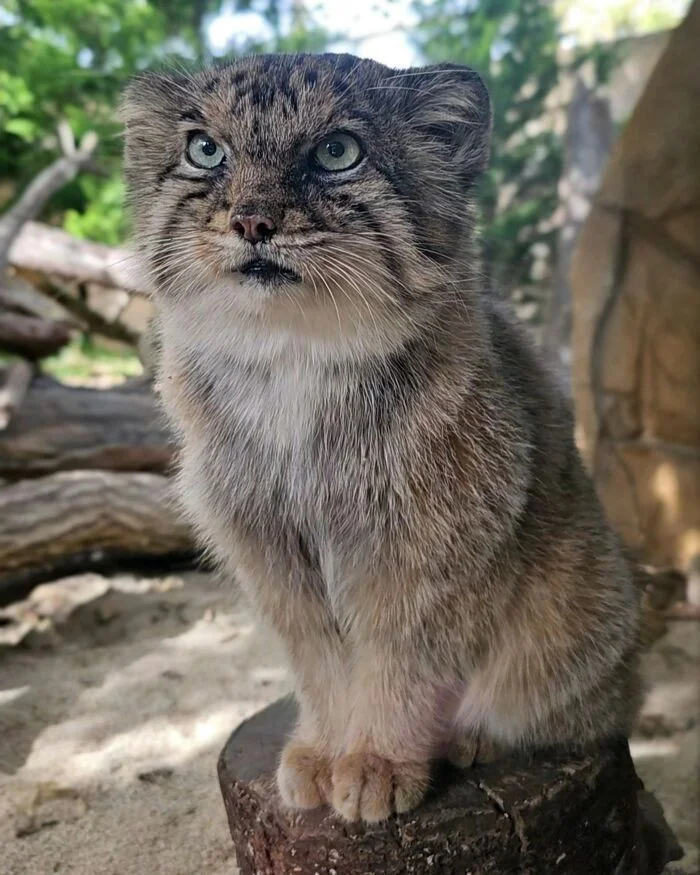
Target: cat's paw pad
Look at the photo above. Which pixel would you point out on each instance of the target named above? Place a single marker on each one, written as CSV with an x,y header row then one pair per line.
x,y
370,788
303,777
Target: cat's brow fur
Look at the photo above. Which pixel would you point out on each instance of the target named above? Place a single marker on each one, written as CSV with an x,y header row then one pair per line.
x,y
376,452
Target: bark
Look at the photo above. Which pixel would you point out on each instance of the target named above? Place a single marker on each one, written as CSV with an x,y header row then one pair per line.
x,y
59,428
89,319
570,815
80,520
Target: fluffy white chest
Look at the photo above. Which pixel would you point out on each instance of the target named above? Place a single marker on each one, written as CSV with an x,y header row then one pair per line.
x,y
279,407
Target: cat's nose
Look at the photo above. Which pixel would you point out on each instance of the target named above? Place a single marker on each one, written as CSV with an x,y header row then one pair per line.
x,y
253,228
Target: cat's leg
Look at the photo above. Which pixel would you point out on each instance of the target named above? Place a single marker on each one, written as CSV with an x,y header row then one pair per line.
x,y
304,772
288,599
401,701
386,764
304,775
462,750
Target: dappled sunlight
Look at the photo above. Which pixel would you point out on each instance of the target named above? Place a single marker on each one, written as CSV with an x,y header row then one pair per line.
x,y
303,319
199,637
72,753
667,489
689,546
178,700
7,696
161,698
657,747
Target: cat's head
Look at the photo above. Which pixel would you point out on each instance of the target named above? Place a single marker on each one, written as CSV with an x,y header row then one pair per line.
x,y
324,192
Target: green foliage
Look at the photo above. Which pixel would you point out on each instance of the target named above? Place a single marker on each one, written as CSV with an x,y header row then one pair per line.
x,y
589,21
513,44
102,217
86,361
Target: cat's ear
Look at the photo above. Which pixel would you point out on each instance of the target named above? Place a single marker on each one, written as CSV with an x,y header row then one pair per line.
x,y
151,93
451,104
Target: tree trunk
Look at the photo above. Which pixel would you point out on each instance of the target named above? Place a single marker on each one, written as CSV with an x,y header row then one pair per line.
x,y
90,319
583,815
14,385
589,139
81,519
59,428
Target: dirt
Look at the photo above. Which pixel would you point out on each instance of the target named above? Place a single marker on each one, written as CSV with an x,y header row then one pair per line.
x,y
116,697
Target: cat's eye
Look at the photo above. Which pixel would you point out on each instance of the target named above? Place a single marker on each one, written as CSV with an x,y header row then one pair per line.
x,y
204,152
339,151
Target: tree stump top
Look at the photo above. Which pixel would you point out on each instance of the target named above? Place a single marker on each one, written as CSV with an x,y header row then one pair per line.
x,y
574,816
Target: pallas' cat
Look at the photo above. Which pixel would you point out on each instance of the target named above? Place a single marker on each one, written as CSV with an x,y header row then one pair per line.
x,y
368,441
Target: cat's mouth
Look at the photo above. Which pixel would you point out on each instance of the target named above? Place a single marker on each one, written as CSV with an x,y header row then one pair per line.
x,y
268,272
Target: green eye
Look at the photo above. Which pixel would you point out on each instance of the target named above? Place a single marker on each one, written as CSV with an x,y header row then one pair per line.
x,y
338,152
204,152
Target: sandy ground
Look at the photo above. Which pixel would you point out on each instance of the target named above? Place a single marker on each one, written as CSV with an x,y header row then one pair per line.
x,y
113,712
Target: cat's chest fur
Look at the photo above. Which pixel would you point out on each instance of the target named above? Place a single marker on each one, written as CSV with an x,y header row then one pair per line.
x,y
282,453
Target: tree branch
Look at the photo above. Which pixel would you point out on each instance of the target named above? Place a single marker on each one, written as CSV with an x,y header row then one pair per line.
x,y
49,181
31,337
92,320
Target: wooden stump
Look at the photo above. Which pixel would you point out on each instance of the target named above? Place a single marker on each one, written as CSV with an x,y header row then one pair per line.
x,y
575,816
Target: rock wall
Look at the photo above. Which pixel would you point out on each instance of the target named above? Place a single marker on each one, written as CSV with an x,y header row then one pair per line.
x,y
636,316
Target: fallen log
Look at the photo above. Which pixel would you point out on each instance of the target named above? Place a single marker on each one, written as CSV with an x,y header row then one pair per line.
x,y
51,251
14,385
30,336
60,428
575,815
80,520
90,319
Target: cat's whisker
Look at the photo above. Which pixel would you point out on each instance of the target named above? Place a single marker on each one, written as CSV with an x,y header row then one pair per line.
x,y
335,305
353,303
291,297
337,269
375,268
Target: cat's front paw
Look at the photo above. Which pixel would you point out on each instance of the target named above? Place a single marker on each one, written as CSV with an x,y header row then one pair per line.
x,y
370,788
473,750
303,776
